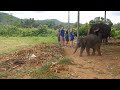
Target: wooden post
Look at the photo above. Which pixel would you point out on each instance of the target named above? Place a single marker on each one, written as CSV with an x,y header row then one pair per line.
x,y
68,17
78,25
68,21
105,17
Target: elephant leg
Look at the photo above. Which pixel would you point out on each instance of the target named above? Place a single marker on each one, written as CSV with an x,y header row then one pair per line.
x,y
88,51
98,50
103,40
81,51
106,40
93,53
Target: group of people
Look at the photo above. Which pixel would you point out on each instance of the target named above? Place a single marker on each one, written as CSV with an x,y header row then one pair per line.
x,y
64,37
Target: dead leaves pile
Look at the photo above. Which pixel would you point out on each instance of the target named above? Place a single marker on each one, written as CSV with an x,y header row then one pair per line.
x,y
36,55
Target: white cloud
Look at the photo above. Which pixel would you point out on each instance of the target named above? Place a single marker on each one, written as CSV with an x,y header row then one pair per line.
x,y
116,13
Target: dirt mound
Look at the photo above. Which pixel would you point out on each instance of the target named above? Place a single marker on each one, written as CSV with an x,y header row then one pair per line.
x,y
32,56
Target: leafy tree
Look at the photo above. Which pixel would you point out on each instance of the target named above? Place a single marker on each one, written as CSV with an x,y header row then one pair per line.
x,y
116,26
83,29
42,30
98,20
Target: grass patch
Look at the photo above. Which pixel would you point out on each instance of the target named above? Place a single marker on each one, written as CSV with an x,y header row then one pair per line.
x,y
3,75
52,76
65,60
49,75
43,69
11,44
44,73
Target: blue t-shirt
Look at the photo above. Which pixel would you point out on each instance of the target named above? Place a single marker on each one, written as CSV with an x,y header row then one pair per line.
x,y
66,36
71,36
62,33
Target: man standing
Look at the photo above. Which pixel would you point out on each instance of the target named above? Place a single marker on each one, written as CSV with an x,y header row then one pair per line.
x,y
67,37
62,36
71,38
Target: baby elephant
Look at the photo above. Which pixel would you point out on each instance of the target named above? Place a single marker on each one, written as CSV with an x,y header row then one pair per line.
x,y
89,41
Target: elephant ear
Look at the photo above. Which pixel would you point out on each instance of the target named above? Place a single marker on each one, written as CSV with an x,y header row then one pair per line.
x,y
83,41
97,29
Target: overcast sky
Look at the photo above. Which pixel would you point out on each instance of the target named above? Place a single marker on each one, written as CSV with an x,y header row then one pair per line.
x,y
85,16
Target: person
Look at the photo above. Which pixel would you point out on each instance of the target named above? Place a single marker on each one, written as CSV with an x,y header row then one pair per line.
x,y
58,35
66,38
71,38
62,31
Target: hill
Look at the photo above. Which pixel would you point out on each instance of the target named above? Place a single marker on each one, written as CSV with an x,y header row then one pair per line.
x,y
6,18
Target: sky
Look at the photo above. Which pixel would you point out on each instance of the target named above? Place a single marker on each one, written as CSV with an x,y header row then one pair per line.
x,y
85,16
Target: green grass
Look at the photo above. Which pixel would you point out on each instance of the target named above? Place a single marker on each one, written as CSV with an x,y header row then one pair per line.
x,y
65,60
44,73
10,44
43,68
3,75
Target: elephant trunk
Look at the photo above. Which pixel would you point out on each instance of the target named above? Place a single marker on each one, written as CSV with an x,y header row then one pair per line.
x,y
77,45
75,50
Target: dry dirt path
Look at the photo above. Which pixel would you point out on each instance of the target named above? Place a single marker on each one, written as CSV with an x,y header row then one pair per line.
x,y
106,66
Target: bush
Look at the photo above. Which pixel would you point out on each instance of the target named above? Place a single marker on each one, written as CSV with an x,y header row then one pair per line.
x,y
9,30
42,30
115,34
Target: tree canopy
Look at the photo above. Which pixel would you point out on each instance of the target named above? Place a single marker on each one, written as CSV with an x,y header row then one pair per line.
x,y
98,20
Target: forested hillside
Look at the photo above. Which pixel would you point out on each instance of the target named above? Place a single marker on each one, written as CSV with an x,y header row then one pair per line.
x,y
7,19
13,26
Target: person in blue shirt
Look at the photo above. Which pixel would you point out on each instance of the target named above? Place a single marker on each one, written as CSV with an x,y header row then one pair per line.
x,y
62,31
71,38
66,37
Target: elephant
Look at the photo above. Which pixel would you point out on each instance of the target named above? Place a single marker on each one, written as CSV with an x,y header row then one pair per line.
x,y
90,41
101,28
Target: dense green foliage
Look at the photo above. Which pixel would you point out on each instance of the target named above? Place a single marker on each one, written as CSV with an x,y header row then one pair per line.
x,y
116,31
83,29
100,20
115,34
10,30
12,26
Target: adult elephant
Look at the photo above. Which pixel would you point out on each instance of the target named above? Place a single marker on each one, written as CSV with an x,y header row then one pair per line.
x,y
102,29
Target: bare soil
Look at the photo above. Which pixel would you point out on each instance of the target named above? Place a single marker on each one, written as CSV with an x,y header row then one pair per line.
x,y
106,66
35,56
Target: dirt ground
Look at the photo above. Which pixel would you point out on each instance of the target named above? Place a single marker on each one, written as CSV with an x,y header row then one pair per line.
x,y
35,56
106,66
